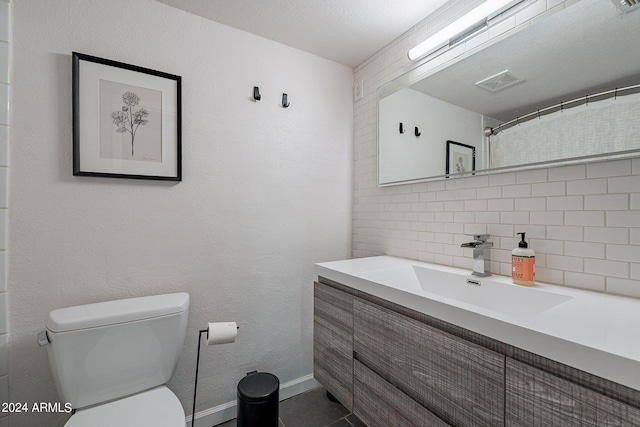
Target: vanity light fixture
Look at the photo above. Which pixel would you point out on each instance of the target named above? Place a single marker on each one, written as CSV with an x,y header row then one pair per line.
x,y
466,22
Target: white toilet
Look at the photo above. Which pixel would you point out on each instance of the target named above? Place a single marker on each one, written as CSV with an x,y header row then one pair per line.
x,y
111,360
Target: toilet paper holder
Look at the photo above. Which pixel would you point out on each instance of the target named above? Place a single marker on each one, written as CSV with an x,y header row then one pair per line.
x,y
195,385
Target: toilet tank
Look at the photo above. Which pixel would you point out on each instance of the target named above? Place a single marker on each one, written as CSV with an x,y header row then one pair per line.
x,y
108,350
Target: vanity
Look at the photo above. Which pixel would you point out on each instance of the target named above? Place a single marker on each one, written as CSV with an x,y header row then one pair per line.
x,y
405,343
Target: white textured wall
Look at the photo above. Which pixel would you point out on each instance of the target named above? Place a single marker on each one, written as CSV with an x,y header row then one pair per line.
x,y
265,193
583,221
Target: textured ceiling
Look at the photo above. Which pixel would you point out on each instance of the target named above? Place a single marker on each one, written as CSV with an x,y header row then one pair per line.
x,y
345,31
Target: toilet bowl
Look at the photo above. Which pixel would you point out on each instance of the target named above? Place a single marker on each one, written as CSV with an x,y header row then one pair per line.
x,y
111,360
158,407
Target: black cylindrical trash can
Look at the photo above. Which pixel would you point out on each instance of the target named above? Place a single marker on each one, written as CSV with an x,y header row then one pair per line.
x,y
258,400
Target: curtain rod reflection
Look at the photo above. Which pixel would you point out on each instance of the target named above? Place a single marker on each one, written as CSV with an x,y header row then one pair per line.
x,y
628,90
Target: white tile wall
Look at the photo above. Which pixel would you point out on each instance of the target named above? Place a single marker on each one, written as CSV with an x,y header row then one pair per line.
x,y
583,221
5,32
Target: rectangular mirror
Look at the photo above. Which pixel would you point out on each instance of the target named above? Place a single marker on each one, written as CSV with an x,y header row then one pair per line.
x,y
559,90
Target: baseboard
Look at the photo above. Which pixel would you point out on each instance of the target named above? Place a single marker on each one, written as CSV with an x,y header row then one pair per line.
x,y
227,411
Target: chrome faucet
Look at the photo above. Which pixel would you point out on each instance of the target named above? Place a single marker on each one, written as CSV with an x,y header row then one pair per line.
x,y
481,256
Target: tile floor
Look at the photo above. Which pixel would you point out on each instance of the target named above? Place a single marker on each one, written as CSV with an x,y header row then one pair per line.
x,y
312,409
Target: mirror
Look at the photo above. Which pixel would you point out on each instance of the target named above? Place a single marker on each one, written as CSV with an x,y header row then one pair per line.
x,y
432,127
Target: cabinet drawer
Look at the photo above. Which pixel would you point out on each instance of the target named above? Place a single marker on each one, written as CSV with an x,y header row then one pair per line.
x,y
460,382
380,404
333,342
537,398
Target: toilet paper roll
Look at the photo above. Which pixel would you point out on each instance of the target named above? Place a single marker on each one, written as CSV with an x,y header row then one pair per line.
x,y
221,333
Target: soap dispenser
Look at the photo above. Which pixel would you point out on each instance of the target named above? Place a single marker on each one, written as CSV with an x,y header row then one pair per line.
x,y
523,262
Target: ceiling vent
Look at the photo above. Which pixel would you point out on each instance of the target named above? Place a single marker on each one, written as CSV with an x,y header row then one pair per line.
x,y
500,81
626,5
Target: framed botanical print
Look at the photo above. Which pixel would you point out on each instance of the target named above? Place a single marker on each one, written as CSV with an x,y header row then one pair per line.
x,y
126,120
461,158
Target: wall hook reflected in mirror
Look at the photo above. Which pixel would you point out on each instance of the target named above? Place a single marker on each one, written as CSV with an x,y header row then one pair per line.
x,y
402,130
417,132
285,103
256,93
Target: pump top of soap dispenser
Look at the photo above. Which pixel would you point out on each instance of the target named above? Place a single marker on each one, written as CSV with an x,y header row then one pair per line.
x,y
522,243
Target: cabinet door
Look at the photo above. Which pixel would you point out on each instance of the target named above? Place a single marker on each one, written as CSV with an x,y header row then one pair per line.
x,y
537,398
333,342
460,382
379,404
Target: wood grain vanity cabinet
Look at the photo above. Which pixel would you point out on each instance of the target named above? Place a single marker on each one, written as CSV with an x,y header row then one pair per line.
x,y
460,382
333,342
537,398
397,368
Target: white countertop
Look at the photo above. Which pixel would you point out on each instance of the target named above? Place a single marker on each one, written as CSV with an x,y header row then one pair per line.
x,y
597,333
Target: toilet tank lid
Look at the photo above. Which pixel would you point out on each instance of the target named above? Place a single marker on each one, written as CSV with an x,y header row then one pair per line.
x,y
118,311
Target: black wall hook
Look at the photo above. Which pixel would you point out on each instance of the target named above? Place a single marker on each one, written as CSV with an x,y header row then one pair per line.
x,y
285,103
256,93
417,133
401,128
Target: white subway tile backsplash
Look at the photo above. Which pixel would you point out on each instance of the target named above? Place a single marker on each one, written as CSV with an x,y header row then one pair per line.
x,y
489,192
634,237
566,173
501,205
531,176
4,62
3,271
4,102
519,218
623,252
4,319
4,21
4,145
565,233
606,234
531,204
587,186
548,246
623,219
488,217
565,203
607,169
502,179
623,287
558,188
4,354
500,230
585,249
562,262
624,184
590,282
635,271
586,218
519,190
611,202
607,268
546,217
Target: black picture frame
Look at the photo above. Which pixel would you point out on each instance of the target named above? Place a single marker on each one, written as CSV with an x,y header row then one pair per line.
x,y
461,159
113,104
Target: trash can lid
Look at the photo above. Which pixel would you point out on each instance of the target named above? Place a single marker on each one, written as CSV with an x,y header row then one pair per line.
x,y
257,386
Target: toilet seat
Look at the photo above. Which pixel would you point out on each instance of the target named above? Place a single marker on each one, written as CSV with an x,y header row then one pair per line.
x,y
157,407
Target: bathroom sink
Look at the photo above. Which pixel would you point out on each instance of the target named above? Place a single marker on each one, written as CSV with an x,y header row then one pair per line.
x,y
493,293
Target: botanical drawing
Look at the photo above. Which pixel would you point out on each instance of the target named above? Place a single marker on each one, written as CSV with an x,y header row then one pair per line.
x,y
128,120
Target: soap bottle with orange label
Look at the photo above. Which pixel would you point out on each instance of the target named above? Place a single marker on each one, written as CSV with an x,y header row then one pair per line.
x,y
523,262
